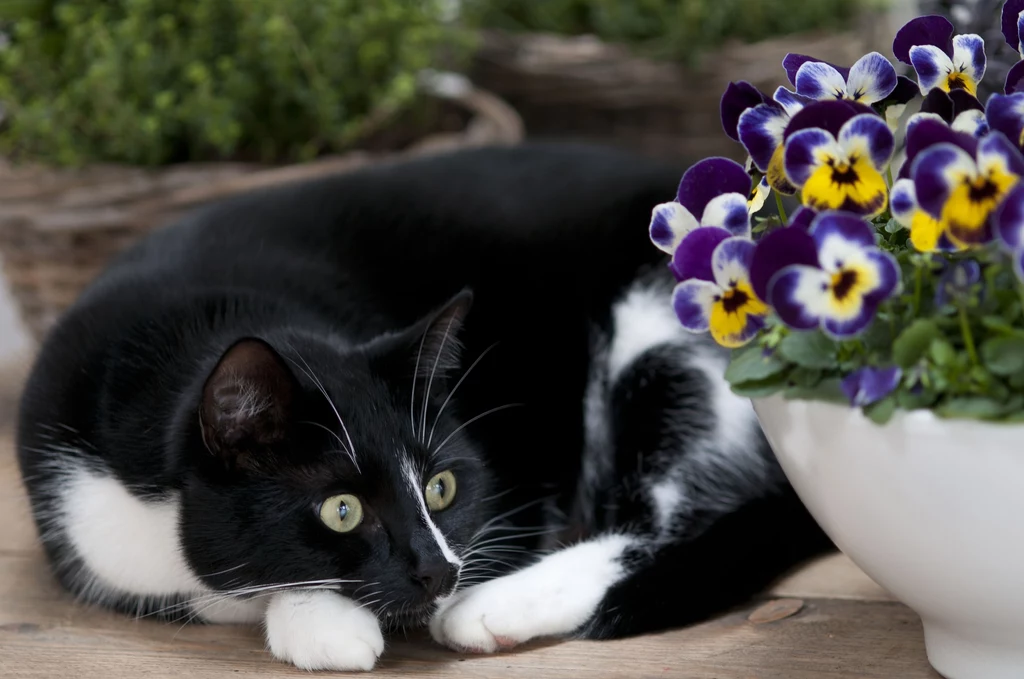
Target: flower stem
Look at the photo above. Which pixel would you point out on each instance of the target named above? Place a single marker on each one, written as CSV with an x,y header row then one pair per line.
x,y
965,330
888,175
918,282
782,210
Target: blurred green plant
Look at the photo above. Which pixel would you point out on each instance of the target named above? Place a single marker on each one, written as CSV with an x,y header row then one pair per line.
x,y
675,29
158,81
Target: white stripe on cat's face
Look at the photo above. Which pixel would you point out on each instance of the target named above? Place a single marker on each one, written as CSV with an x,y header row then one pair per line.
x,y
416,486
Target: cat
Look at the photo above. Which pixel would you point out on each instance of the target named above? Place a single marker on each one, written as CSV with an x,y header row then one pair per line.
x,y
448,392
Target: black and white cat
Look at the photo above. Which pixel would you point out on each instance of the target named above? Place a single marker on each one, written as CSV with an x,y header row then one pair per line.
x,y
449,391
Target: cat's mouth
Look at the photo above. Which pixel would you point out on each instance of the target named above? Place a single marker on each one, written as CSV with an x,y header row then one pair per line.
x,y
407,616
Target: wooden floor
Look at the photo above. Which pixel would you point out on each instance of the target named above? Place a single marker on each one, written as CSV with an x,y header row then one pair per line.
x,y
827,621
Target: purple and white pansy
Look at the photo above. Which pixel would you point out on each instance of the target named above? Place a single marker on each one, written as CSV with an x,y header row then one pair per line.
x,y
839,291
716,295
870,385
714,192
941,59
871,79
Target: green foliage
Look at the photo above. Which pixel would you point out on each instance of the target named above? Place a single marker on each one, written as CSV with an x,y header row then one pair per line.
x,y
678,29
155,81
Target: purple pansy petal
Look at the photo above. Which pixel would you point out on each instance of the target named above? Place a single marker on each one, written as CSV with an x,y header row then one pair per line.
x,y
729,211
797,295
709,178
932,66
869,133
692,301
791,102
670,222
872,78
1009,219
969,54
1005,113
738,97
803,153
937,102
925,130
1014,79
903,201
802,218
888,276
956,282
995,150
845,328
870,385
964,101
927,30
936,172
837,233
792,63
905,90
826,115
692,258
760,130
777,250
818,80
731,261
1010,21
971,122
1020,32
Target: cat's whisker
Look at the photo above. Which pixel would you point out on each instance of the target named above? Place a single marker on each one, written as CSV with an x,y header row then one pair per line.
x,y
320,386
328,430
415,376
471,421
430,381
458,384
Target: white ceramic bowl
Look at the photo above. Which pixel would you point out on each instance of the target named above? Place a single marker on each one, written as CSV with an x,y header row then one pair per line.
x,y
931,509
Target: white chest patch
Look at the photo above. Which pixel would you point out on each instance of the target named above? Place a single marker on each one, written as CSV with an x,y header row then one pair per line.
x,y
128,544
643,319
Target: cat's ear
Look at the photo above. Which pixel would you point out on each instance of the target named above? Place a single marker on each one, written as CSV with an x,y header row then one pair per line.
x,y
436,337
246,404
429,349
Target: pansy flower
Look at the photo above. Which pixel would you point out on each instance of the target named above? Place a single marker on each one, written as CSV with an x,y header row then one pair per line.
x,y
871,78
1005,113
1013,25
925,231
941,59
925,130
759,126
958,109
712,193
840,288
961,190
957,283
721,299
838,158
870,385
1009,221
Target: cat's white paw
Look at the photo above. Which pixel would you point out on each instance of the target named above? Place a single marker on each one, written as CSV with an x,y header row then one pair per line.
x,y
553,597
323,631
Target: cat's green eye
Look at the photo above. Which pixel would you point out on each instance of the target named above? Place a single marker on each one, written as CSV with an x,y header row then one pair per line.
x,y
440,491
341,513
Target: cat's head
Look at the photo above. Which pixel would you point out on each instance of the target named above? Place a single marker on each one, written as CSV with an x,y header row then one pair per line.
x,y
337,465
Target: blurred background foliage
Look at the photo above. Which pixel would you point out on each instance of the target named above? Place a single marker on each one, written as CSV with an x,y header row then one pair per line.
x,y
673,29
152,82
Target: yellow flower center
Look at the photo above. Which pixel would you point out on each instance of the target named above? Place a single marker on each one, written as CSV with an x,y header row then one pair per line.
x,y
958,80
925,231
731,311
965,215
851,184
848,286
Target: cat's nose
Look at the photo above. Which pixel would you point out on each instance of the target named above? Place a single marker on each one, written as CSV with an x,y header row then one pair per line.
x,y
437,577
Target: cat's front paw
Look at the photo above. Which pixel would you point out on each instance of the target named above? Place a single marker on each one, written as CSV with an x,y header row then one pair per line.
x,y
323,631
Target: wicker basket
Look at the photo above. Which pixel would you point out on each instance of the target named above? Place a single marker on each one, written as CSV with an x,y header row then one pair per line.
x,y
58,228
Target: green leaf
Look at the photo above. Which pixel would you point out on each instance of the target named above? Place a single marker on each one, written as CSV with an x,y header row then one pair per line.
x,y
1003,355
804,377
922,398
912,344
971,407
761,388
942,352
808,349
827,390
882,411
892,226
750,364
